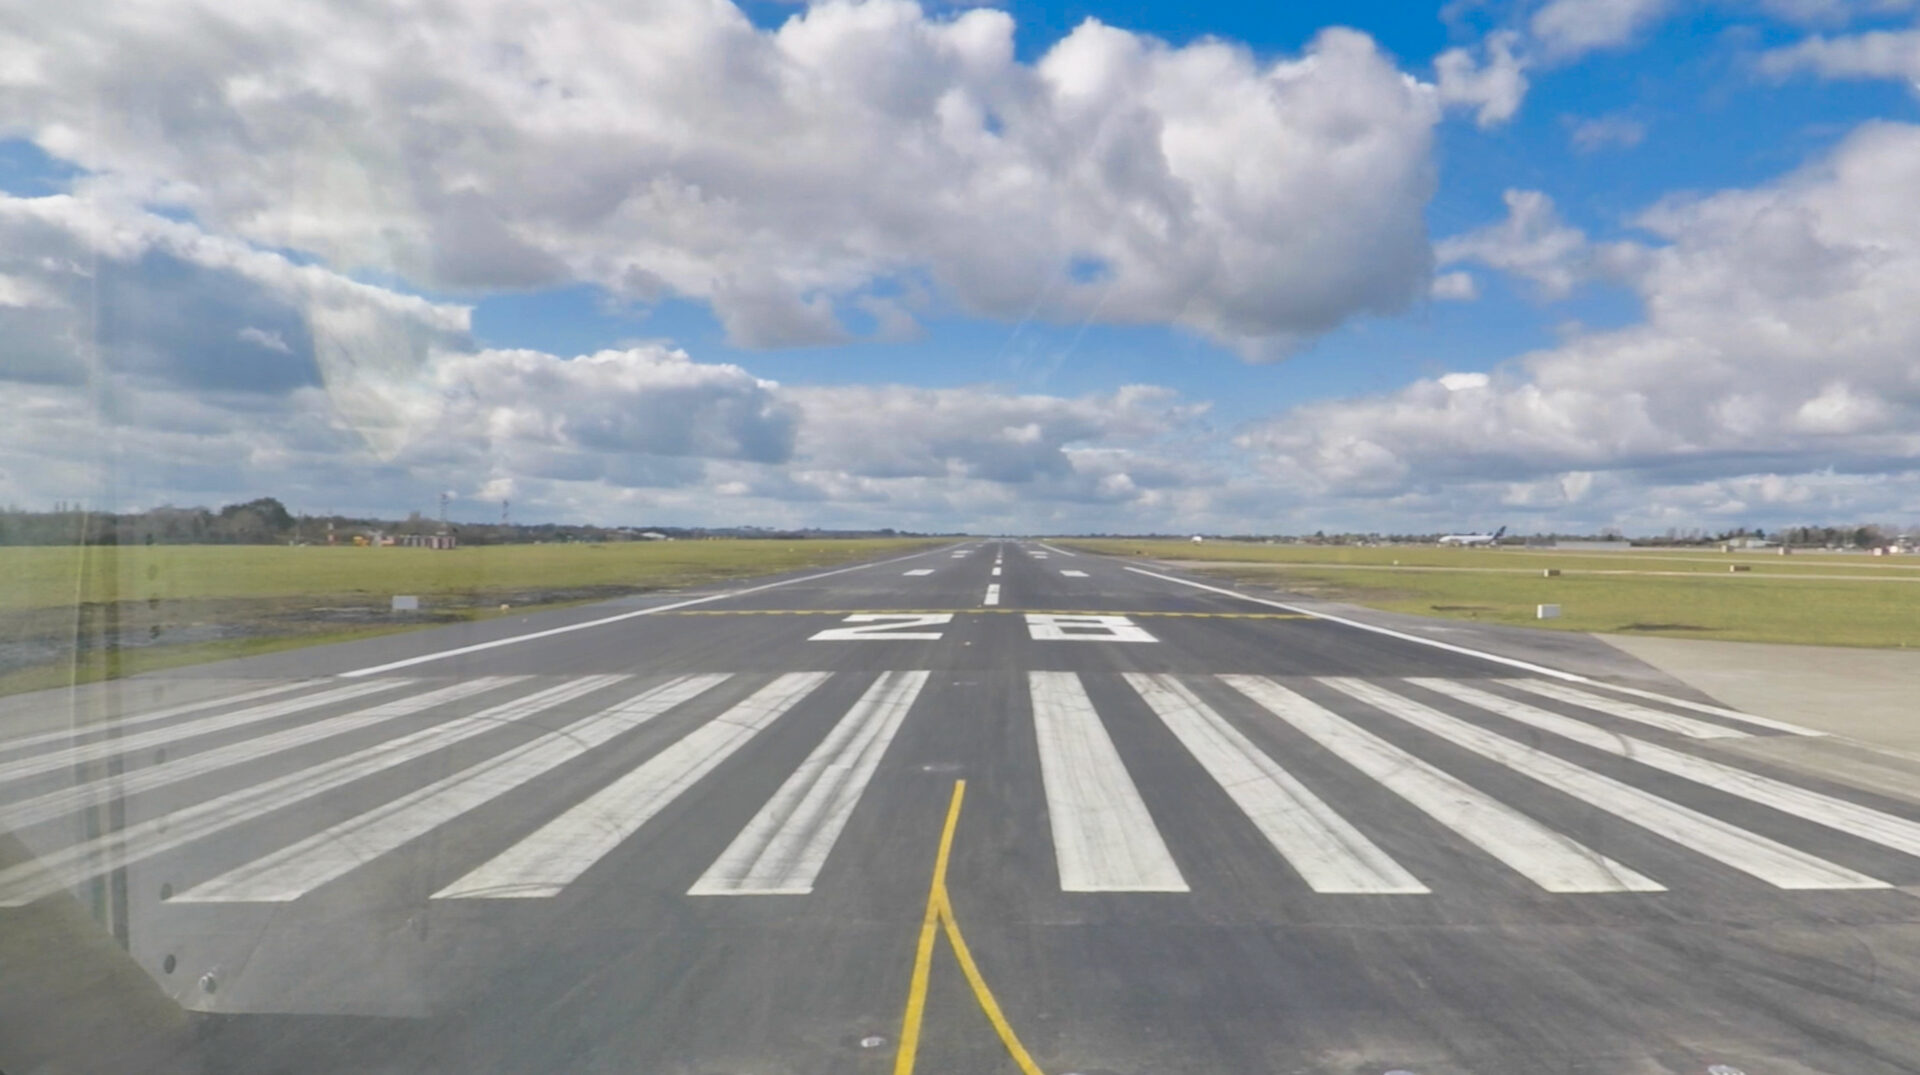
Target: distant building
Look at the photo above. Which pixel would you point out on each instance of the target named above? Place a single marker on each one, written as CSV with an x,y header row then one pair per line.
x,y
653,535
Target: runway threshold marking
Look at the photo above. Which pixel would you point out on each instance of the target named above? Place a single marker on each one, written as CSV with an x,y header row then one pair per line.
x,y
984,612
939,918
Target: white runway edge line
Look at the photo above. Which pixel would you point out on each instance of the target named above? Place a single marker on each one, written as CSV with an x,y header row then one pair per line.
x,y
604,620
1103,837
1633,711
783,849
66,758
48,874
1549,859
69,799
992,596
298,869
1511,662
119,724
1750,853
1853,819
546,862
1051,548
1328,852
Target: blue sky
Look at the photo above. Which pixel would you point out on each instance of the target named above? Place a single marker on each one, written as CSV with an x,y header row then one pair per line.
x,y
1561,264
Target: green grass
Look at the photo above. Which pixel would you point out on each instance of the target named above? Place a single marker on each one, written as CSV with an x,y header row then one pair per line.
x,y
1837,600
279,598
38,577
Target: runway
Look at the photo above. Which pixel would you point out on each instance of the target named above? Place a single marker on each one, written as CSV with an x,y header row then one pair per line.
x,y
994,807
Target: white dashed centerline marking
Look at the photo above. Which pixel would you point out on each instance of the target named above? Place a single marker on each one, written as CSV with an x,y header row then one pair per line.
x,y
919,571
993,595
996,571
1074,574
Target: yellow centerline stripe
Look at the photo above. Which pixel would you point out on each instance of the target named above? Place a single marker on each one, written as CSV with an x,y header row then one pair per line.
x,y
981,993
984,612
939,913
923,954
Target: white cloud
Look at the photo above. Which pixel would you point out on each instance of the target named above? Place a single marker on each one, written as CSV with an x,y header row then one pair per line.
x,y
260,337
1778,346
1880,54
191,408
1568,28
1533,243
1606,132
1830,11
1455,287
782,175
1495,87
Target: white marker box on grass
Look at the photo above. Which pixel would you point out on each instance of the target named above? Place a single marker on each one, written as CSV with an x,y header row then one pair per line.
x,y
1546,612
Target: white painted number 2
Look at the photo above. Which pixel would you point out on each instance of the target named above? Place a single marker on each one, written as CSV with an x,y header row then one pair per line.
x,y
1045,627
881,626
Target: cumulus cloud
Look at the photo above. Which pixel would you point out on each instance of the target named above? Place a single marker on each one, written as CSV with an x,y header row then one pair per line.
x,y
1533,243
1778,347
1879,54
1455,287
1494,87
148,359
784,175
1568,28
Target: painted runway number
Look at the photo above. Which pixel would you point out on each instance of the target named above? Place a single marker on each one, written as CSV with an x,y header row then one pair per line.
x,y
1052,627
885,626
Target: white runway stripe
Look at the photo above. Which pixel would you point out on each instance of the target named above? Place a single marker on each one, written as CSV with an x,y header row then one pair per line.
x,y
1547,858
1717,711
1063,552
547,861
300,868
784,847
50,873
1074,574
66,800
1103,837
993,595
67,735
56,760
1327,851
1876,826
1750,853
918,571
1614,707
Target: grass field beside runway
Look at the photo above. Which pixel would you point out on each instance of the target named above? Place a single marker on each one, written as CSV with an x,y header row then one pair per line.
x,y
1810,599
136,609
44,577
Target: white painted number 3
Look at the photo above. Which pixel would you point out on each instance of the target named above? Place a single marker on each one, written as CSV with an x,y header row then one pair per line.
x,y
1045,627
881,626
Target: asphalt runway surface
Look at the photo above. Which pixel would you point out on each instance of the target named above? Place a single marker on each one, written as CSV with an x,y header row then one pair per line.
x,y
995,807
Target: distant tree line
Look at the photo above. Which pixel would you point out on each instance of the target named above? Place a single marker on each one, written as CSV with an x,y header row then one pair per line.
x,y
266,521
